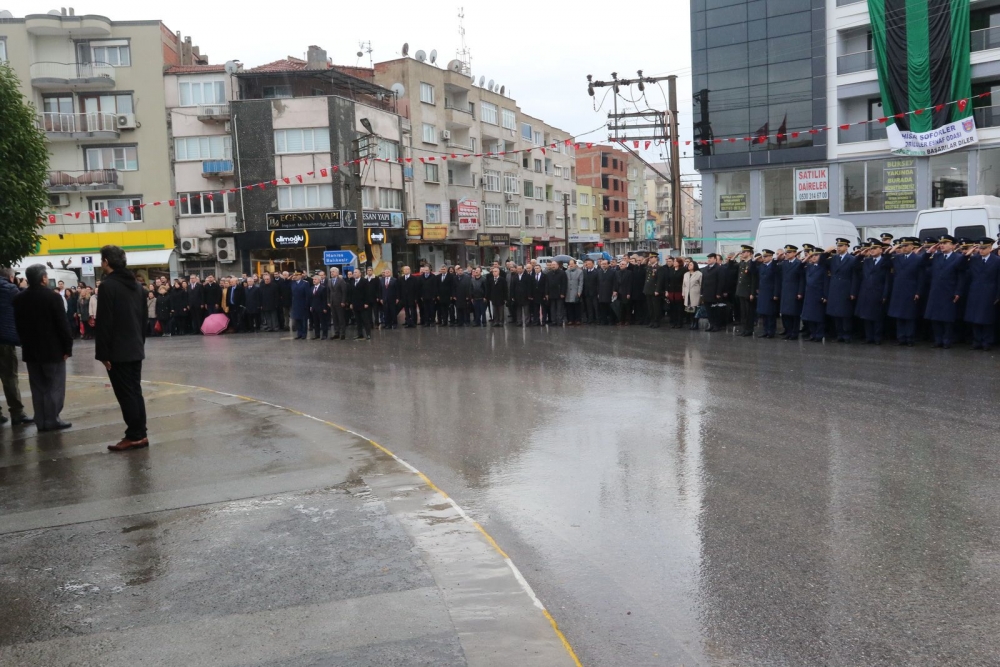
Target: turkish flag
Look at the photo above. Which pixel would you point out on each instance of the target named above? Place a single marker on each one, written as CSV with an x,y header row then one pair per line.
x,y
648,144
131,209
962,104
77,215
91,214
209,196
298,177
118,211
323,172
172,202
52,219
274,182
335,167
286,180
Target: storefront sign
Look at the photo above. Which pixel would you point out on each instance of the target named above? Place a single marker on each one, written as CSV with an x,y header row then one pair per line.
x,y
900,184
487,240
293,238
734,203
941,140
812,183
900,201
414,229
584,238
375,219
527,240
376,236
305,220
435,232
468,214
650,229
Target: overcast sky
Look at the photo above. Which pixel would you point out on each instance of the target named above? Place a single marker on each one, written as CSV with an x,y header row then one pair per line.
x,y
540,51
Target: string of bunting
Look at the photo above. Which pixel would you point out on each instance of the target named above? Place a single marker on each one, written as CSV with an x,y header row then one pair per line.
x,y
437,156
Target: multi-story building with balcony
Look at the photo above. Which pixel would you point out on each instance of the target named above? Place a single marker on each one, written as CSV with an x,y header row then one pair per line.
x,y
294,125
86,76
605,170
761,67
511,204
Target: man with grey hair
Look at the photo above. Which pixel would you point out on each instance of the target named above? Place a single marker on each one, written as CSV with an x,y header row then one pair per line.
x,y
8,350
46,344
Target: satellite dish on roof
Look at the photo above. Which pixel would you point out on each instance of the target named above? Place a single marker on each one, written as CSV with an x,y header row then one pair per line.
x,y
434,56
231,67
420,55
455,65
501,90
489,86
406,49
398,89
54,12
482,81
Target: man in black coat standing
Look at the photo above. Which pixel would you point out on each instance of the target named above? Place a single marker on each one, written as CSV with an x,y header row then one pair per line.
x,y
46,344
496,289
362,298
319,310
119,343
336,295
410,295
591,291
713,282
428,296
196,304
536,298
605,292
463,296
284,299
555,294
269,303
213,296
388,298
522,287
446,294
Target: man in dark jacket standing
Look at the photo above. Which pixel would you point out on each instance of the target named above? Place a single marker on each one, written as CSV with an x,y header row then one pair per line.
x,y
605,292
388,298
336,295
410,293
213,296
319,309
8,352
555,294
428,296
653,289
591,290
196,304
46,344
270,303
362,298
747,283
496,288
463,296
119,343
712,285
284,299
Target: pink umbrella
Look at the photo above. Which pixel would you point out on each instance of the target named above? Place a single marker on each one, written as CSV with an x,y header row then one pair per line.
x,y
214,324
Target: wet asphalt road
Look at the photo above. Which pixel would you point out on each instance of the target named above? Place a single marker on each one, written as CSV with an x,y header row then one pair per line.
x,y
680,498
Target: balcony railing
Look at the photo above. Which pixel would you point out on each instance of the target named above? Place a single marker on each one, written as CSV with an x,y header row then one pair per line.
x,y
858,133
77,75
213,112
987,38
448,104
842,3
94,180
455,143
855,62
216,168
987,117
77,123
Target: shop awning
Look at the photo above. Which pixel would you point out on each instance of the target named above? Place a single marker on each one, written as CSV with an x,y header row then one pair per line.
x,y
136,258
148,257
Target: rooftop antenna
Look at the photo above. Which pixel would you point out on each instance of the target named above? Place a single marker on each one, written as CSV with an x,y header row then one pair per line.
x,y
464,53
434,56
363,48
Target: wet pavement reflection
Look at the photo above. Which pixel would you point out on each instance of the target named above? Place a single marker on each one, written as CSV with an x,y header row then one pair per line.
x,y
675,498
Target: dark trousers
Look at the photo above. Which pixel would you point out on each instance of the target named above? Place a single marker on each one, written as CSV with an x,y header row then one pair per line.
x,y
770,324
816,330
590,309
844,326
251,322
8,376
463,313
573,312
48,391
320,325
270,320
604,313
364,317
197,317
411,313
498,313
655,307
982,335
748,314
444,310
639,310
791,325
906,330
126,381
427,310
944,332
675,311
626,309
479,312
557,311
389,312
338,319
716,315
873,330
511,308
301,327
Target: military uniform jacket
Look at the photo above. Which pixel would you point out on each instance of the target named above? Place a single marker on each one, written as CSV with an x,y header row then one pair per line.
x,y
876,288
944,275
907,274
813,308
792,285
746,282
982,287
656,280
843,281
768,288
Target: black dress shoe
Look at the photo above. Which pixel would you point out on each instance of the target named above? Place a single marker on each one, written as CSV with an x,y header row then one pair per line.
x,y
59,425
23,419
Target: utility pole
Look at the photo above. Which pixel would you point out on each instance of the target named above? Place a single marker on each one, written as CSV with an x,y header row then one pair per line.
x,y
675,163
362,150
566,220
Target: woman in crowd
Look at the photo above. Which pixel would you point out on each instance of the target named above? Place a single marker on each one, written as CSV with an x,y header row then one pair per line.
x,y
163,309
691,289
92,310
72,308
675,292
150,314
178,299
83,313
574,290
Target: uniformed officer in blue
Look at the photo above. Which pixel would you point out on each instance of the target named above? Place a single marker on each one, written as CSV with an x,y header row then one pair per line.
x,y
874,291
792,272
982,290
905,302
842,289
944,267
768,293
814,295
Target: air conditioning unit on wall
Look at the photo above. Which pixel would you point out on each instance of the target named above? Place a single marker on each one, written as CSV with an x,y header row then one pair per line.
x,y
225,249
125,121
189,246
446,135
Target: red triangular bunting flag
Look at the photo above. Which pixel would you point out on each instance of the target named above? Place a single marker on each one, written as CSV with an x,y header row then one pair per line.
x,y
131,209
635,144
795,135
648,143
569,141
310,173
444,157
77,215
714,141
298,177
421,159
104,212
249,186
453,156
938,107
918,111
171,202
184,200
286,180
431,158
883,119
813,131
210,197
335,167
590,145
962,104
91,214
543,151
845,126
901,115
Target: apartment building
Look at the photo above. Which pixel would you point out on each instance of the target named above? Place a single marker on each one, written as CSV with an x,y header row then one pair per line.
x,y
198,122
109,155
605,170
763,67
294,124
477,209
585,234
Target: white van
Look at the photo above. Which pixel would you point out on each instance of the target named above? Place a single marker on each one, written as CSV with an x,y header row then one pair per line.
x,y
822,232
970,217
68,276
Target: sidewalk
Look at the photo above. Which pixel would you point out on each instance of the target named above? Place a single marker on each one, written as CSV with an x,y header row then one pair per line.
x,y
247,534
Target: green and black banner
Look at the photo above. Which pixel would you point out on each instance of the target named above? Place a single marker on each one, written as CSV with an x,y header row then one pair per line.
x,y
922,55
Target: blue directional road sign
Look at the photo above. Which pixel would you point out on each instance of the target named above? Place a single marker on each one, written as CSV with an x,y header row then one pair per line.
x,y
339,257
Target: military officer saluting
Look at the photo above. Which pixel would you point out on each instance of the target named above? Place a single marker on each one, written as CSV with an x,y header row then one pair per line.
x,y
814,294
874,290
842,289
944,268
792,286
768,292
746,290
905,301
982,290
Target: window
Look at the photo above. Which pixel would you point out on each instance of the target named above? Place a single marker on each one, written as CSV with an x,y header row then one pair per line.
x,y
584,199
491,180
293,197
989,171
529,189
488,112
3,50
539,220
499,146
540,192
510,184
276,92
513,214
111,53
492,215
426,93
509,121
388,150
194,92
572,197
131,210
57,104
557,171
548,192
433,213
430,134
198,203
315,140
538,138
390,198
548,166
431,173
559,222
565,173
368,197
631,208
538,166
122,158
879,185
779,196
202,148
584,224
106,103
526,133
949,177
732,195
607,225
526,160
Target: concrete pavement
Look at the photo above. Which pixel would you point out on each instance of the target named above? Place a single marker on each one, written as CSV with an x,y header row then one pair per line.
x,y
247,534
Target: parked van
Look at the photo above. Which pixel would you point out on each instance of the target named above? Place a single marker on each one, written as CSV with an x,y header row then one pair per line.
x,y
972,217
68,276
822,232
